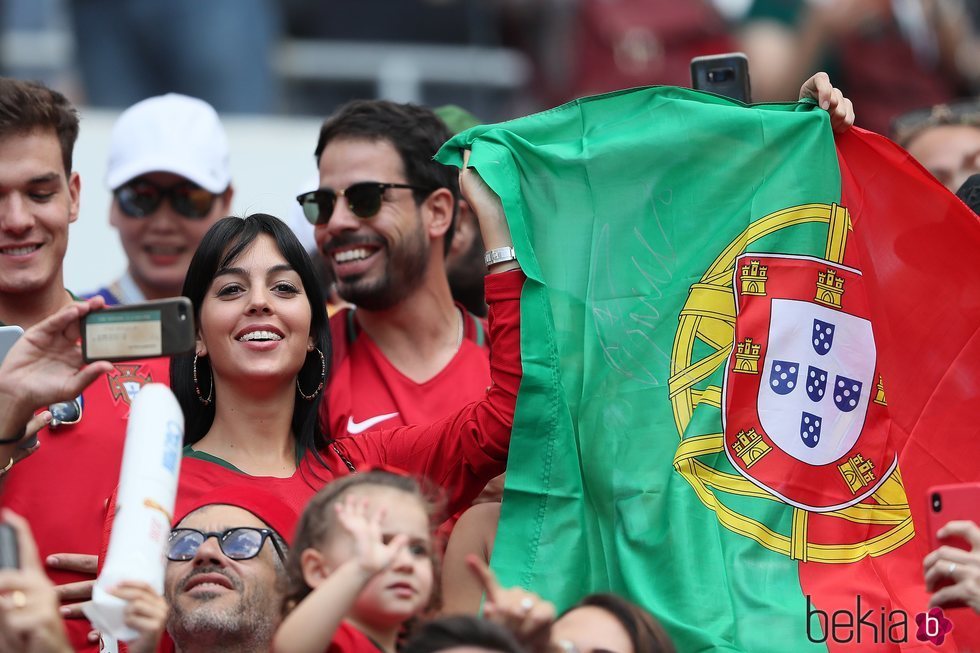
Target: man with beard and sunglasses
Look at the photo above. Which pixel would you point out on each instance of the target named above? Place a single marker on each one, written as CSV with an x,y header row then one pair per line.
x,y
170,179
384,215
62,488
225,571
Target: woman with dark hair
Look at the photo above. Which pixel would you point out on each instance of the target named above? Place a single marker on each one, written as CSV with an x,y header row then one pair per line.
x,y
610,623
251,390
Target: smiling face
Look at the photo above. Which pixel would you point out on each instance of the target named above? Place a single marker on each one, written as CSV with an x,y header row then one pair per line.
x,y
403,590
37,203
215,598
255,319
160,245
378,260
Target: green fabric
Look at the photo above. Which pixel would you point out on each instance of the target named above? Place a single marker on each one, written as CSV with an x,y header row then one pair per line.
x,y
189,452
617,205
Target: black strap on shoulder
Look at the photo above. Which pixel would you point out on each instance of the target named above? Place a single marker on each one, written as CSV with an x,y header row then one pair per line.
x,y
351,327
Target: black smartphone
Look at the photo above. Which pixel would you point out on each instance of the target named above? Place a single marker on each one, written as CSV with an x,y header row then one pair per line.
x,y
723,74
161,327
9,551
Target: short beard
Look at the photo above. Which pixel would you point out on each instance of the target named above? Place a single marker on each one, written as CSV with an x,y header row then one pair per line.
x,y
404,271
249,626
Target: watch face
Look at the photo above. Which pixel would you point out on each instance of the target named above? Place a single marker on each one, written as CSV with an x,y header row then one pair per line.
x,y
500,255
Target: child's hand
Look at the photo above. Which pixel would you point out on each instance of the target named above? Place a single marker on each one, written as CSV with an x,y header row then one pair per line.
x,y
373,555
146,613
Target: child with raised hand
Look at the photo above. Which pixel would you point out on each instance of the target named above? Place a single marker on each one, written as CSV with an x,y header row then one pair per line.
x,y
362,564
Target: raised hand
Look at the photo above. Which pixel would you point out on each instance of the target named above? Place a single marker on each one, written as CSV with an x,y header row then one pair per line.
x,y
952,573
28,603
831,100
373,554
525,614
146,613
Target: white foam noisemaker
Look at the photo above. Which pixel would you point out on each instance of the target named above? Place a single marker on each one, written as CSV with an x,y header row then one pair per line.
x,y
144,506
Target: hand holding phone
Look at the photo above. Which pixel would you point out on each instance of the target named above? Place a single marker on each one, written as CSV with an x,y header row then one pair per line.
x,y
162,327
958,502
955,558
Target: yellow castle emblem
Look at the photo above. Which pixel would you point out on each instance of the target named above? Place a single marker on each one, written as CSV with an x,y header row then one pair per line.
x,y
830,288
754,279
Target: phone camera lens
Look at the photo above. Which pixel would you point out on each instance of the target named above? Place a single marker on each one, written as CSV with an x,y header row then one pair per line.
x,y
937,502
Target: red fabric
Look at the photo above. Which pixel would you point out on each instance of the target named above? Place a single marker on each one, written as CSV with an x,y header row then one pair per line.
x,y
268,507
63,489
365,385
348,639
459,453
916,245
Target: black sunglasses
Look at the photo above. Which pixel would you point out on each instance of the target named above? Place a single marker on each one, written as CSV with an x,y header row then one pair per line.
x,y
139,198
66,412
363,199
241,543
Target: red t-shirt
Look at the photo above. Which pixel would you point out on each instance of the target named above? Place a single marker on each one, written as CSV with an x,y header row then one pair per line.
x,y
63,488
368,393
460,452
348,639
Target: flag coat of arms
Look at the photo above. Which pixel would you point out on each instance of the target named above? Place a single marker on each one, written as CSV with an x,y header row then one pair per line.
x,y
749,348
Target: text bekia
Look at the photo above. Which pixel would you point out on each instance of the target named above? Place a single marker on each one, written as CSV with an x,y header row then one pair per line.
x,y
860,625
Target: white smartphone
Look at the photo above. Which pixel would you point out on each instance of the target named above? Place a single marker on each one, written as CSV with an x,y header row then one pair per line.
x,y
8,336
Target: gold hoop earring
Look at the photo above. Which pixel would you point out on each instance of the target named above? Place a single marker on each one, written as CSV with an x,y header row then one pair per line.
x,y
323,378
197,388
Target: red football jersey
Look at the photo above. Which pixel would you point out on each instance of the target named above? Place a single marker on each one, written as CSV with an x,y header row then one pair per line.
x,y
64,487
367,392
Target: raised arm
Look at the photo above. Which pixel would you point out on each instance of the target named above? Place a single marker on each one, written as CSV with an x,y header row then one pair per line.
x,y
462,452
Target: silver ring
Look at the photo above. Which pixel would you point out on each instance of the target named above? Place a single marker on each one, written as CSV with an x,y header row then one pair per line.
x,y
952,568
18,599
527,603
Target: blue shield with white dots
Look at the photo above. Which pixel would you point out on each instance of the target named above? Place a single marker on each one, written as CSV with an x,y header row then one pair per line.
x,y
801,335
783,376
816,383
810,429
847,393
823,337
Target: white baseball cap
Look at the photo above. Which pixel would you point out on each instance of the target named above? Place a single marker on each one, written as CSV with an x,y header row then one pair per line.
x,y
170,133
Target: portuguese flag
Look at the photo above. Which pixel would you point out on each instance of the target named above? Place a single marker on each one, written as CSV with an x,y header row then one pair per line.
x,y
749,348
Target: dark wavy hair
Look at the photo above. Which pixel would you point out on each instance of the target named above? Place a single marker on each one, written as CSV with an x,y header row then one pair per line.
x,y
461,630
222,244
415,132
319,521
26,106
645,633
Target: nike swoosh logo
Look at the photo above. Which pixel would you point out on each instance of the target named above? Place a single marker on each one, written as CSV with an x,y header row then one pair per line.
x,y
359,427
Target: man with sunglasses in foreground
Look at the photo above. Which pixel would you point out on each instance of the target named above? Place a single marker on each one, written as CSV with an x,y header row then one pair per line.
x,y
170,178
225,570
384,216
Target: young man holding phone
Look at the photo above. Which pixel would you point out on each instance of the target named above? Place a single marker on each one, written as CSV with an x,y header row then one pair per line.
x,y
64,486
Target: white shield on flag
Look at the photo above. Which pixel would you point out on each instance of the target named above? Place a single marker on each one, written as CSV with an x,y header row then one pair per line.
x,y
815,426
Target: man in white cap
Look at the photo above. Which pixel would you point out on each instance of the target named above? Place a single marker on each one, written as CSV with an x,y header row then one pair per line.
x,y
170,180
